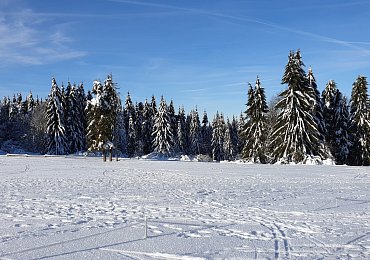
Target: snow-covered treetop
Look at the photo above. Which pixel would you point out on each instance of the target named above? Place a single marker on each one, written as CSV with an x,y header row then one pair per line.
x,y
310,76
329,94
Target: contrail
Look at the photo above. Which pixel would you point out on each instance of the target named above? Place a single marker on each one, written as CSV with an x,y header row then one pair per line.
x,y
351,45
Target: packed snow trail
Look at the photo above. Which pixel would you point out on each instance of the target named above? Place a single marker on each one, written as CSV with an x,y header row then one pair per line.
x,y
76,207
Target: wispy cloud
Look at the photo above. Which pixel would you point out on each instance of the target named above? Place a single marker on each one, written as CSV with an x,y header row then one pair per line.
x,y
96,15
23,42
326,5
236,84
193,90
360,43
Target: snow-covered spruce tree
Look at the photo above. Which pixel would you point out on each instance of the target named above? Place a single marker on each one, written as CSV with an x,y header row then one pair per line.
x,y
218,136
147,129
131,138
340,122
120,135
194,133
13,109
329,97
153,113
206,134
30,103
17,121
228,146
235,136
95,114
75,117
72,118
255,130
18,102
317,109
24,108
295,136
172,115
112,104
81,122
162,134
248,115
139,111
173,120
129,111
241,142
182,144
55,126
102,114
359,125
153,107
187,130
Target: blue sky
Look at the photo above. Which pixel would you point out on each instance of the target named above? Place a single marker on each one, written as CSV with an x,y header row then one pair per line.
x,y
197,52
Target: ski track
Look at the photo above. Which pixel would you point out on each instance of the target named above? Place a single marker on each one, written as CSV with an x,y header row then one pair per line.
x,y
66,208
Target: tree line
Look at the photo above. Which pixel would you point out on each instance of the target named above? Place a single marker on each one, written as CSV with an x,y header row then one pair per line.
x,y
299,125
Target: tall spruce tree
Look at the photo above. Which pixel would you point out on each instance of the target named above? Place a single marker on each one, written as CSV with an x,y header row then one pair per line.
x,y
173,120
139,111
15,126
163,141
295,136
153,106
153,113
206,134
329,101
359,124
255,130
194,134
131,138
102,114
55,129
129,111
147,128
72,118
81,121
234,133
241,140
187,130
120,140
95,113
112,105
228,146
182,143
218,137
340,123
75,117
31,104
317,109
13,109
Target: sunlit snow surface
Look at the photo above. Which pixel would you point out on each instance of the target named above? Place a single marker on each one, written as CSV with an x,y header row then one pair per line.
x,y
74,208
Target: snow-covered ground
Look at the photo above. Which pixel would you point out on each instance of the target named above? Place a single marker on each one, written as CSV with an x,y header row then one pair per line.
x,y
74,208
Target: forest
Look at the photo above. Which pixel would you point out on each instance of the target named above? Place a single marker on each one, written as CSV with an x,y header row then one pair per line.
x,y
300,125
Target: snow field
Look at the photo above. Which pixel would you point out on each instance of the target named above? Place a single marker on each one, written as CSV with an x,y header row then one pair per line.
x,y
75,207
